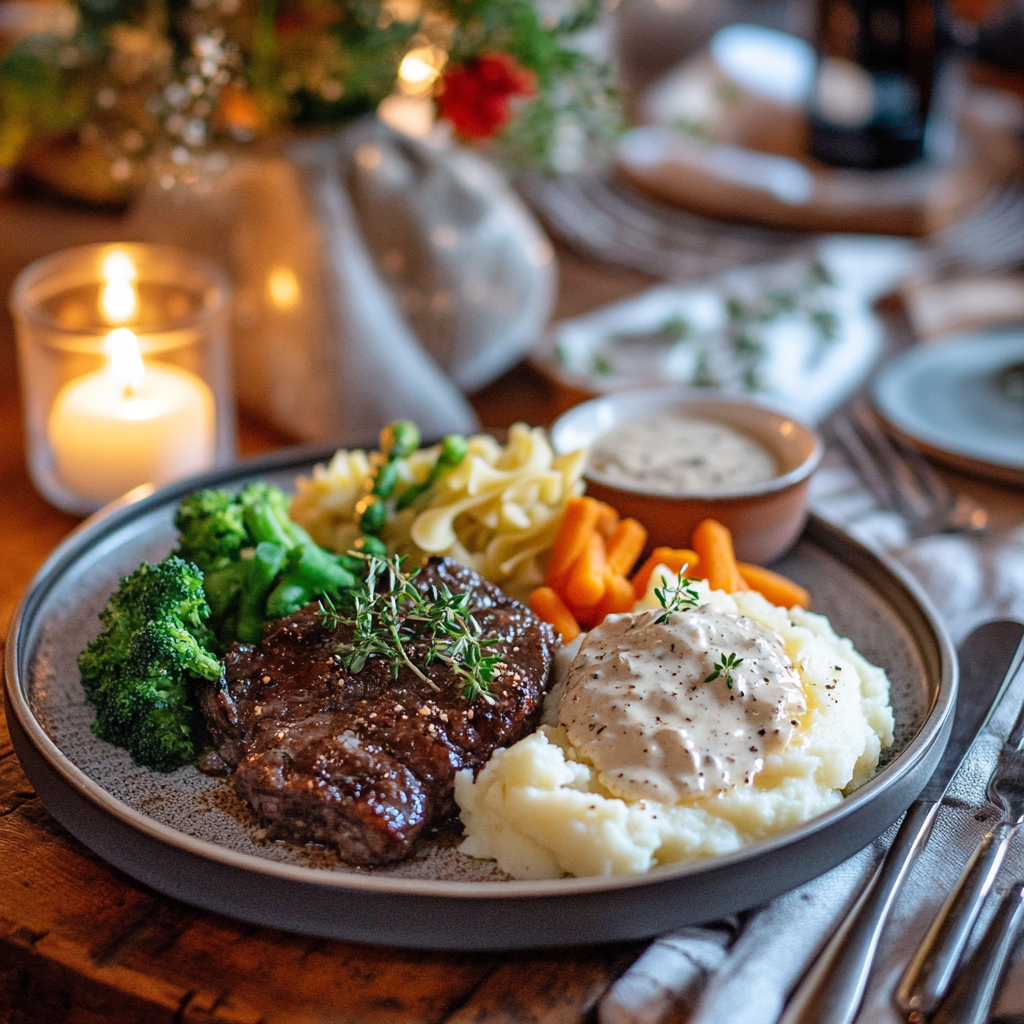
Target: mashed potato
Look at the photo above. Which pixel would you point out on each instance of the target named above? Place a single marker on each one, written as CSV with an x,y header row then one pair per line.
x,y
541,810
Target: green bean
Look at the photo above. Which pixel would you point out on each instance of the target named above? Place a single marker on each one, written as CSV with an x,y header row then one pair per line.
x,y
453,450
263,567
385,480
399,439
373,517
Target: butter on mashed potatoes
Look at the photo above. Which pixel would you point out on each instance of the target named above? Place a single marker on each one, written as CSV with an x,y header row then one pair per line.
x,y
799,721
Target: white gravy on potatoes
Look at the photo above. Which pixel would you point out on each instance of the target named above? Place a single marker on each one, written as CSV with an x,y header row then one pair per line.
x,y
680,455
640,706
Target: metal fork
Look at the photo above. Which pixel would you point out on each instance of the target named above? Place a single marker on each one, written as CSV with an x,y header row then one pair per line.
x,y
930,971
901,479
977,987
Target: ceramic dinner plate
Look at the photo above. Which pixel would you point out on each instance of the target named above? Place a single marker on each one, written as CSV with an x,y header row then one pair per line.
x,y
948,400
186,834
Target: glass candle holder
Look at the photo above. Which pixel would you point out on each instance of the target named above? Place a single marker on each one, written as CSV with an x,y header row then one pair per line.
x,y
125,371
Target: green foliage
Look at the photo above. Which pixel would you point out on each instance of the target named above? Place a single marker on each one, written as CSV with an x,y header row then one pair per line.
x,y
38,95
138,673
558,130
576,107
510,26
317,61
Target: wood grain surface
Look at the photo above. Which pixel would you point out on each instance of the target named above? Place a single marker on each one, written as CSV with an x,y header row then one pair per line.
x,y
80,942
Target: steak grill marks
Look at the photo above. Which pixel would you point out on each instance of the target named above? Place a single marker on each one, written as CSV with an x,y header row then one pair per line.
x,y
363,762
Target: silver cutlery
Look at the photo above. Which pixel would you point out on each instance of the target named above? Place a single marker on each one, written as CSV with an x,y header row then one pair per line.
x,y
901,478
931,969
976,989
833,988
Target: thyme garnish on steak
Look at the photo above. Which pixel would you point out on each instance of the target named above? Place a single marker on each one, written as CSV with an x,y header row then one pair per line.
x,y
390,618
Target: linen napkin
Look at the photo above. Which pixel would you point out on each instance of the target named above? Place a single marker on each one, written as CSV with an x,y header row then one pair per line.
x,y
741,972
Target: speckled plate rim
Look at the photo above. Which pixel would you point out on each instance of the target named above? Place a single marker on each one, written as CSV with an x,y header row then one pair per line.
x,y
75,799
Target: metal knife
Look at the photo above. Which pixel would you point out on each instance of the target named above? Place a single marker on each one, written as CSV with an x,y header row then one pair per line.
x,y
833,988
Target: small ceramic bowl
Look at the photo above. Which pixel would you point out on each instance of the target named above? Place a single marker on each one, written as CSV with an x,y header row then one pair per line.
x,y
765,518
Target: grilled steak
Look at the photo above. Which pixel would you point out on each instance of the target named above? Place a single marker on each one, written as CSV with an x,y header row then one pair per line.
x,y
363,761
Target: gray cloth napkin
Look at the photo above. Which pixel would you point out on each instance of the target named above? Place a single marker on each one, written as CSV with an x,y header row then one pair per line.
x,y
374,277
705,975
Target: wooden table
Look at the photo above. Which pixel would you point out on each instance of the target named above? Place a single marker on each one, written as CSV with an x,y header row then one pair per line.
x,y
81,942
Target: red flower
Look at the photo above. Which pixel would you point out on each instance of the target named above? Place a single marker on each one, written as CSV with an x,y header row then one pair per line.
x,y
475,96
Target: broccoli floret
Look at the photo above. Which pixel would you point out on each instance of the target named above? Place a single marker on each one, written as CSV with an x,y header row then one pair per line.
x,y
212,529
170,589
138,672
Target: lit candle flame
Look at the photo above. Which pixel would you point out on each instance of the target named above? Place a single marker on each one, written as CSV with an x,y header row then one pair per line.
x,y
119,299
126,366
420,69
118,266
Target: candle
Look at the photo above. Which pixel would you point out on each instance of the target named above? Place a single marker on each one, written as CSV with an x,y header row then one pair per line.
x,y
410,109
125,375
130,423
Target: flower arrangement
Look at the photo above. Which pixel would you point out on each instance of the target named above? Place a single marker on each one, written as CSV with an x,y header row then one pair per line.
x,y
135,79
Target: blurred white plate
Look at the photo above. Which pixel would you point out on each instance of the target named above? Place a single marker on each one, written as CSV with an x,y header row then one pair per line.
x,y
947,400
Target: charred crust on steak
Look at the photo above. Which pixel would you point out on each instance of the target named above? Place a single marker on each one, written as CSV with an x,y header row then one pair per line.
x,y
363,762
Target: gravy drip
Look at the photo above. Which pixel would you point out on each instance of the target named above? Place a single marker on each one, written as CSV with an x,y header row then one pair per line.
x,y
677,455
637,704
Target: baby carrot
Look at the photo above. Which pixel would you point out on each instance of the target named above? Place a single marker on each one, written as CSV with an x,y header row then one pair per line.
x,y
588,617
624,545
775,588
713,543
672,558
579,520
549,607
607,520
618,595
584,585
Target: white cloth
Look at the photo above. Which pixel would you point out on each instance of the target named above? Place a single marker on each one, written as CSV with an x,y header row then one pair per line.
x,y
970,581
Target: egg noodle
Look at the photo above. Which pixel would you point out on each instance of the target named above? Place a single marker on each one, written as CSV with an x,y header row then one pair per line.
x,y
497,512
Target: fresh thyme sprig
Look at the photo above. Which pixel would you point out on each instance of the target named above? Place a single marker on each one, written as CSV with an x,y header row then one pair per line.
x,y
723,667
677,598
389,615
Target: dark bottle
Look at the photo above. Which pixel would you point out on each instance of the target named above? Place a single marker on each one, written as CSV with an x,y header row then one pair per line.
x,y
876,68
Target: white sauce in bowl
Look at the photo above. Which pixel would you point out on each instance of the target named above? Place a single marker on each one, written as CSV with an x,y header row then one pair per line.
x,y
677,455
640,706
